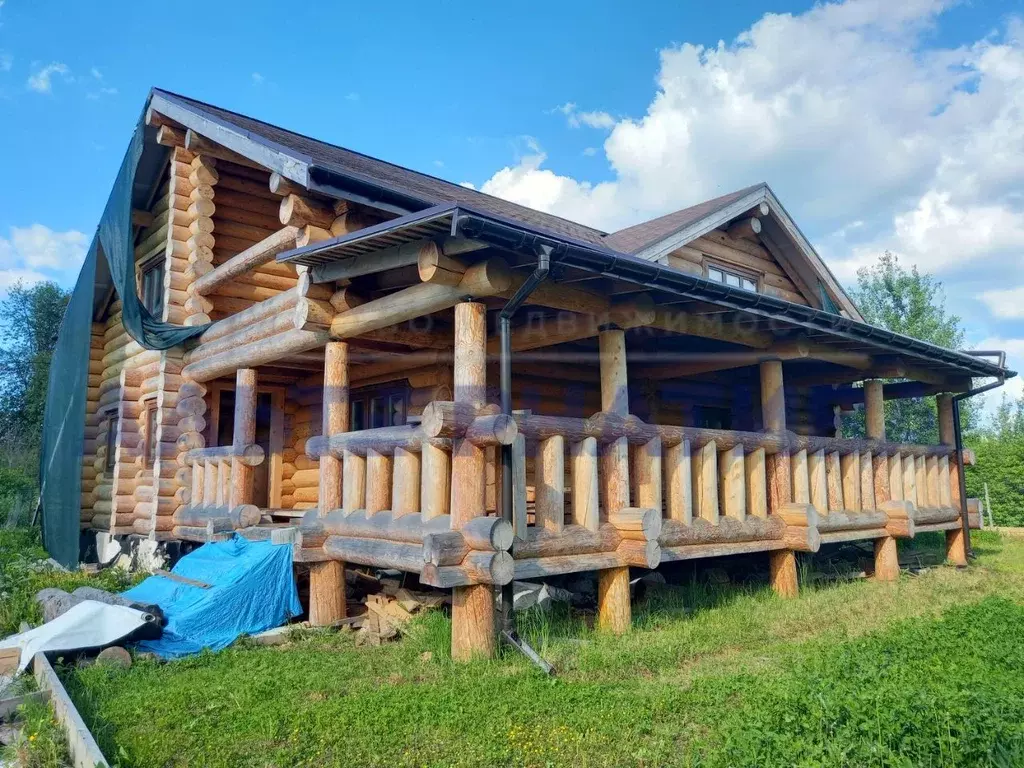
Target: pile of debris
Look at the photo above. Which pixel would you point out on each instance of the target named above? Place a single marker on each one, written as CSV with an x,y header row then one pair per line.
x,y
385,616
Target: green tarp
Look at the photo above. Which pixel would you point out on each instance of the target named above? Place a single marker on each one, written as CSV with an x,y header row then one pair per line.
x,y
64,424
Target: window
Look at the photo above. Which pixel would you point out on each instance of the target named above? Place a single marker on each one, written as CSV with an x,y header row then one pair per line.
x,y
379,407
152,286
111,443
150,445
719,274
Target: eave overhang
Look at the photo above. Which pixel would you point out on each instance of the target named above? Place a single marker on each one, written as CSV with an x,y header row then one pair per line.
x,y
667,285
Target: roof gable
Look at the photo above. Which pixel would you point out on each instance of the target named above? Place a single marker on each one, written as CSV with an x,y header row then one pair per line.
x,y
654,240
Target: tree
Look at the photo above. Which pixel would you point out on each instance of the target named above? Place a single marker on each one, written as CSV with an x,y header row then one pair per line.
x,y
999,449
912,304
31,318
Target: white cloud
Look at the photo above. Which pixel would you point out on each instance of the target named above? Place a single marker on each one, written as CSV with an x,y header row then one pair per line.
x,y
589,151
257,78
1005,302
352,96
6,62
37,247
42,80
95,72
576,118
847,113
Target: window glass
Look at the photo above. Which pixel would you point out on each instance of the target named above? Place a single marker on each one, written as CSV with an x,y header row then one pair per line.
x,y
378,412
111,443
153,287
151,435
733,279
358,415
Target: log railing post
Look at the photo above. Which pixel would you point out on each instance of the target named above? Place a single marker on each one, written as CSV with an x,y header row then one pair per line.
x,y
614,613
327,579
956,544
887,567
782,563
473,626
244,435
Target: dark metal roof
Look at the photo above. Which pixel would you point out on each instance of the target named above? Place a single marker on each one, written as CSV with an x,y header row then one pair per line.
x,y
634,239
317,162
667,284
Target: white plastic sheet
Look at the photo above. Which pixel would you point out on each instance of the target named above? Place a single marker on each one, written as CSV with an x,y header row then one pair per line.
x,y
87,625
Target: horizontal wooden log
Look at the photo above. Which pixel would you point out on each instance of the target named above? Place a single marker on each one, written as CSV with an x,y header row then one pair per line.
x,y
382,440
250,455
461,420
852,521
489,534
496,568
241,516
728,530
376,553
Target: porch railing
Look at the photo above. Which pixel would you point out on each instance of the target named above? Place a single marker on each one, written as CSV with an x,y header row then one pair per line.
x,y
217,491
693,493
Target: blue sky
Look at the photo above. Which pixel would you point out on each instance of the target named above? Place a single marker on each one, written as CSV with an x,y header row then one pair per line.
x,y
879,124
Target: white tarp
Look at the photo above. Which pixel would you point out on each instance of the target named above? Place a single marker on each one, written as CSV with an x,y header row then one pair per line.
x,y
89,624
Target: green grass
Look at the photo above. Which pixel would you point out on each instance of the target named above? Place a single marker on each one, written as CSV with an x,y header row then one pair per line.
x,y
22,576
41,743
927,672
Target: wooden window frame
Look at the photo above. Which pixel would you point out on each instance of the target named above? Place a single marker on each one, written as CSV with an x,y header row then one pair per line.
x,y
366,395
739,272
149,445
155,264
111,444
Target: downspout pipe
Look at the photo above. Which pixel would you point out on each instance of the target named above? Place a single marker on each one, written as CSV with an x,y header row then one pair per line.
x,y
539,275
958,439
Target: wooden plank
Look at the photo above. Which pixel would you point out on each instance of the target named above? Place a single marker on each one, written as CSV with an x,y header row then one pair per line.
x,y
867,481
732,476
756,484
705,482
85,752
585,505
818,482
182,579
850,466
801,478
679,482
834,478
549,484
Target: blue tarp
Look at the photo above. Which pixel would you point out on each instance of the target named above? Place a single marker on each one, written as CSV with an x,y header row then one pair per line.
x,y
253,589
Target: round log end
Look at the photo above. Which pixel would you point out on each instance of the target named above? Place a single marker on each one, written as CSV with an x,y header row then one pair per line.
x,y
248,515
502,536
503,568
504,429
251,455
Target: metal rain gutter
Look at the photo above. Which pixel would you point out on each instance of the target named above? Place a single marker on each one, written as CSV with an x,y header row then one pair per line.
x,y
958,444
653,276
539,274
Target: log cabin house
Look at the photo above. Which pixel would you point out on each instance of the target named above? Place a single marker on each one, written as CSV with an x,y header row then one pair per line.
x,y
387,369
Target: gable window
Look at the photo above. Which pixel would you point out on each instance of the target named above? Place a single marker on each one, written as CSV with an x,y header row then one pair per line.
x,y
731,277
379,407
151,286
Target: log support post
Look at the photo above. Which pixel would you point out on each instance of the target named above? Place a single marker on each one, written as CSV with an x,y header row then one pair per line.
x,y
473,614
327,579
956,543
244,435
887,566
614,613
782,563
